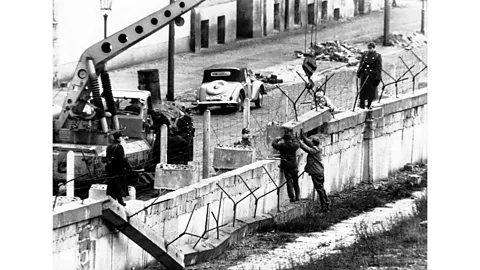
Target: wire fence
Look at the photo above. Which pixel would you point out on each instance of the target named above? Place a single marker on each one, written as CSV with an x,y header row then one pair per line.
x,y
341,87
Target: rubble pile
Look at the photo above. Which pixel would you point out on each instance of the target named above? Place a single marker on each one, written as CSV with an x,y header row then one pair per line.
x,y
406,40
334,51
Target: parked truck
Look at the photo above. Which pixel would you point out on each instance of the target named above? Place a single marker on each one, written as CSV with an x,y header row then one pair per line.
x,y
91,113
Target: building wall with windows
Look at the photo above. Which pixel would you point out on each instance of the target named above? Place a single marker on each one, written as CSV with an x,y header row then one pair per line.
x,y
214,23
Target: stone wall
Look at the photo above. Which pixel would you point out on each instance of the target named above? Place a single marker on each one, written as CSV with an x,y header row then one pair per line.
x,y
357,146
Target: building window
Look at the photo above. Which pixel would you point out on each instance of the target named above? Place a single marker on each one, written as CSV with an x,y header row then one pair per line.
x,y
336,14
324,10
221,30
204,27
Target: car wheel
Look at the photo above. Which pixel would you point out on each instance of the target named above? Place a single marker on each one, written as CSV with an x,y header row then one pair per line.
x,y
259,100
240,100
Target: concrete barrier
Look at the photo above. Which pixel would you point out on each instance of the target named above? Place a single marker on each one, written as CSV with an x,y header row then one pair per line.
x,y
357,146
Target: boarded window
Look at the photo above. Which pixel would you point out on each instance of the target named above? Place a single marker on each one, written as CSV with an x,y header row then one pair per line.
x,y
204,28
221,30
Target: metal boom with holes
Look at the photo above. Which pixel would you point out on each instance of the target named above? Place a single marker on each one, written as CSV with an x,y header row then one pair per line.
x,y
101,52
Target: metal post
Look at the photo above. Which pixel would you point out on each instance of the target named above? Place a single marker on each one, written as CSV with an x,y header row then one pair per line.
x,y
105,26
171,60
386,25
246,113
70,174
422,29
206,144
163,143
284,112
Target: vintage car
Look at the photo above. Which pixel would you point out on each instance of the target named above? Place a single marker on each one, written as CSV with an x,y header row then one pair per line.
x,y
229,86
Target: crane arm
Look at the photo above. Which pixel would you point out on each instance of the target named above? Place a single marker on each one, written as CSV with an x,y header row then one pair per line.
x,y
98,54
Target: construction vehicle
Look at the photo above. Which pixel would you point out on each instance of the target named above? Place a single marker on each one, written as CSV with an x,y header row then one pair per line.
x,y
89,116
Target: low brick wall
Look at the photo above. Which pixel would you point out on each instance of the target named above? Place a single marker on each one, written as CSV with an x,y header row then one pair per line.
x,y
358,146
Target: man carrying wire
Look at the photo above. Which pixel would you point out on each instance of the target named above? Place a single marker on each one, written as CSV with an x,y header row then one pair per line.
x,y
370,74
288,149
314,167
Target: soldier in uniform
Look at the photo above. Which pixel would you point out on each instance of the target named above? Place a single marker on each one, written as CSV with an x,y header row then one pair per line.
x,y
116,167
370,74
187,131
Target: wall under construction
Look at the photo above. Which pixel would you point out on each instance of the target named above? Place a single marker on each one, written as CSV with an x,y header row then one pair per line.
x,y
358,146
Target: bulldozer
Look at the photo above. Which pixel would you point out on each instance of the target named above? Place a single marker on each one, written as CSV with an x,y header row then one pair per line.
x,y
91,112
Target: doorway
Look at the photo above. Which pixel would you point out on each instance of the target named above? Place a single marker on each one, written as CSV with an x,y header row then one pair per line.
x,y
276,17
287,14
296,12
204,28
221,30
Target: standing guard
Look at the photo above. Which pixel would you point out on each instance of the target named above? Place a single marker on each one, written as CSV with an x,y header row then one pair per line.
x,y
370,74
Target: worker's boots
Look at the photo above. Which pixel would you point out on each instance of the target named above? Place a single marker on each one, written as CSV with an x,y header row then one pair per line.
x,y
322,195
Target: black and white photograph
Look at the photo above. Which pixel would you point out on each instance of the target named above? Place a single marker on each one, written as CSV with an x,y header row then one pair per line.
x,y
242,134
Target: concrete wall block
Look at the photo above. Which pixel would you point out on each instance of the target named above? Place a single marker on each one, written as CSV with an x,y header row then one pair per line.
x,y
191,195
175,176
335,138
225,157
375,112
190,206
181,209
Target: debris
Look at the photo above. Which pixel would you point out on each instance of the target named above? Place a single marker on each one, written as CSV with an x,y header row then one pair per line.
x,y
406,40
333,51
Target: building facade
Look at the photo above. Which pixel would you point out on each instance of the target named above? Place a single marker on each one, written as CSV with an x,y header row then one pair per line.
x,y
77,24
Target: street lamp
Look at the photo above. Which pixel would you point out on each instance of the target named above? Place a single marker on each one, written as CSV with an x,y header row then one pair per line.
x,y
105,8
422,28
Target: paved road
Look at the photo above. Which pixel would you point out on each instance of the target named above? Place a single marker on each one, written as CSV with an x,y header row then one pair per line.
x,y
261,54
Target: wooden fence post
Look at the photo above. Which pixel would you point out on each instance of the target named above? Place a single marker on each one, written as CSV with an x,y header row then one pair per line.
x,y
70,186
246,113
206,144
163,143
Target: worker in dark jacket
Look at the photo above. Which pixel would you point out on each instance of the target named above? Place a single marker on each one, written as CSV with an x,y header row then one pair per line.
x,y
116,167
288,149
314,168
176,147
135,106
370,74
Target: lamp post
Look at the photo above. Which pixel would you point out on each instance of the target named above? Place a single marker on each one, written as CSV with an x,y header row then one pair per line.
x,y
105,8
422,28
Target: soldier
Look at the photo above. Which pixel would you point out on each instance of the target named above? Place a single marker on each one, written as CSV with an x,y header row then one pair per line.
x,y
176,147
288,149
370,74
245,138
116,167
315,169
187,131
323,101
135,106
